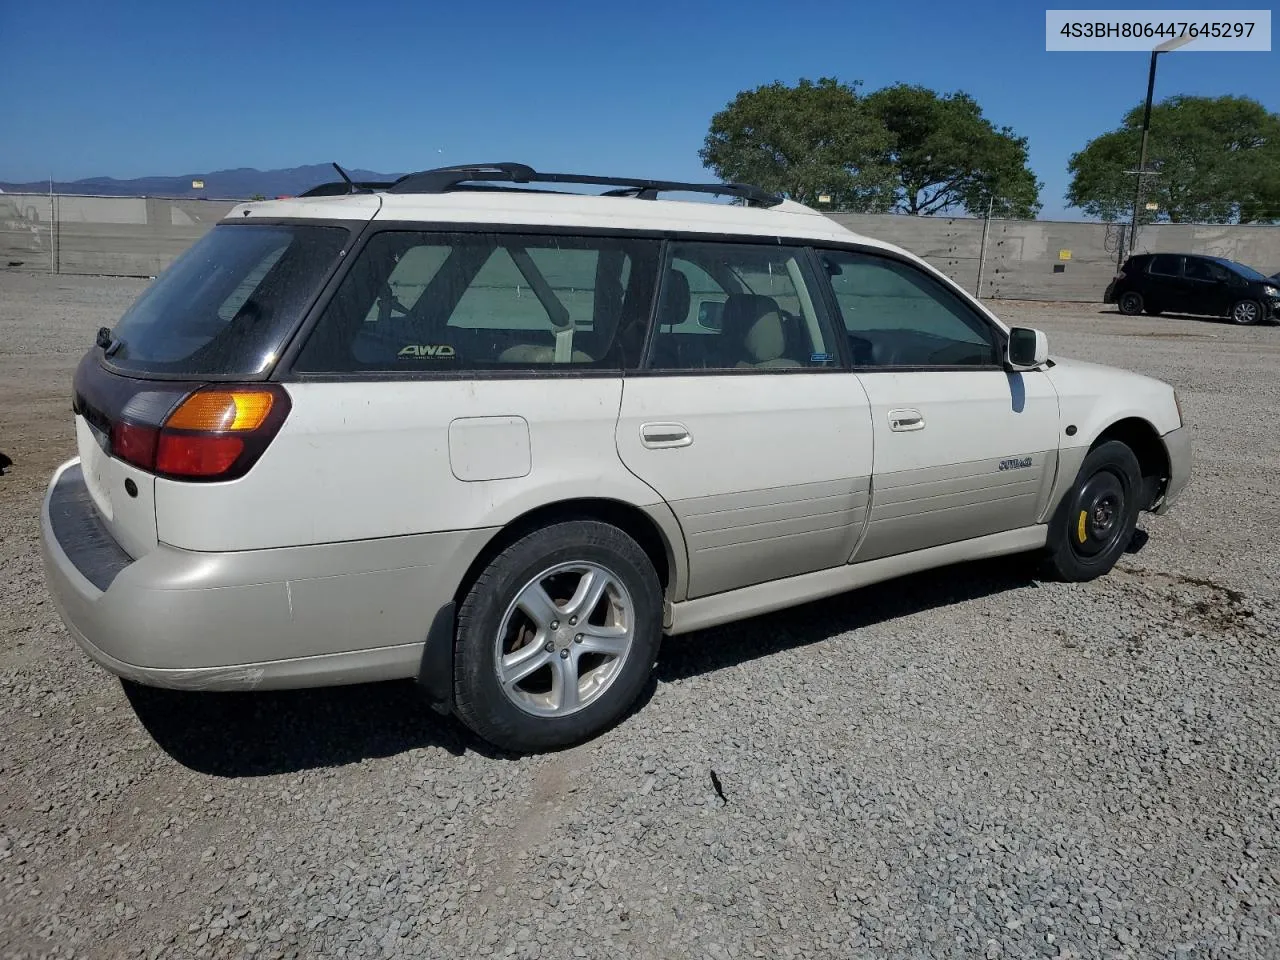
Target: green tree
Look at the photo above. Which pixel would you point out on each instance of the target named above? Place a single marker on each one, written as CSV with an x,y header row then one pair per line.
x,y
803,141
1209,160
904,148
946,155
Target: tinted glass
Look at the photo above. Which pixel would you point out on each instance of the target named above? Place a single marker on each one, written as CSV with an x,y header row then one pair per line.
x,y
897,315
418,302
1243,269
738,306
1196,269
1164,265
225,306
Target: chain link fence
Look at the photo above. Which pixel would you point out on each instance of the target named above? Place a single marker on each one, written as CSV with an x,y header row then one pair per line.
x,y
997,259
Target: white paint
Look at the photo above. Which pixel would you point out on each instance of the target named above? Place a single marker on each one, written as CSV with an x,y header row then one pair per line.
x,y
748,432
362,460
967,415
489,448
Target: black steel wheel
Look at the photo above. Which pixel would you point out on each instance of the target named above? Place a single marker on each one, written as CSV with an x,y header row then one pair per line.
x,y
1095,521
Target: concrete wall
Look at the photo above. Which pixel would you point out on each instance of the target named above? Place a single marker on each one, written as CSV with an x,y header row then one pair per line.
x,y
136,236
116,236
1024,258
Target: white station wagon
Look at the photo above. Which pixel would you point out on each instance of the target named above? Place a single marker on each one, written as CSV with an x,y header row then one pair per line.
x,y
501,437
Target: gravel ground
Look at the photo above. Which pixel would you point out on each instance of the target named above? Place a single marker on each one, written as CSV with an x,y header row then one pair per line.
x,y
969,763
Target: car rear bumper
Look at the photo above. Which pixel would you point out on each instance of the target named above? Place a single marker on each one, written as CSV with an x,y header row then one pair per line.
x,y
289,617
1177,445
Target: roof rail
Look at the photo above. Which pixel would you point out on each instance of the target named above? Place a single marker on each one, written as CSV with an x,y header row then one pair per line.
x,y
470,176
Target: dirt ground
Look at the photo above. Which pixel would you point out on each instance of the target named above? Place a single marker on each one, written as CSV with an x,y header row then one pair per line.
x,y
973,763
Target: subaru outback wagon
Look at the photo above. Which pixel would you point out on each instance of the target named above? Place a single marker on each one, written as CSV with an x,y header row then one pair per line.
x,y
473,428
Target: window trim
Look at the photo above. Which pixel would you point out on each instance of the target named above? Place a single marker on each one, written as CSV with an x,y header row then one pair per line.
x,y
999,337
806,263
363,231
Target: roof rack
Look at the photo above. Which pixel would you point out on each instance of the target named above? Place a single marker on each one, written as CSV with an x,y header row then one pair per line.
x,y
471,176
341,187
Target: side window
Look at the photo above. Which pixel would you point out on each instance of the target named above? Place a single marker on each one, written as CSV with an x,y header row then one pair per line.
x,y
1165,265
432,301
412,271
701,315
1197,269
896,315
731,306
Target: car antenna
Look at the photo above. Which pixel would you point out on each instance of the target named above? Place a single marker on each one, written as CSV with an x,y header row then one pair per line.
x,y
342,173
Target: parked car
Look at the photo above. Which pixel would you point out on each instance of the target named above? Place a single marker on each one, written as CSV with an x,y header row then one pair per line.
x,y
1186,283
503,439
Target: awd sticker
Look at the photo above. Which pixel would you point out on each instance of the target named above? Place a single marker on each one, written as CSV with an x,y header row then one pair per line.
x,y
1016,463
438,351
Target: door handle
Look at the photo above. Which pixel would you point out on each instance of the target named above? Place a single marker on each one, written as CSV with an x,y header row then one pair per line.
x,y
660,435
904,420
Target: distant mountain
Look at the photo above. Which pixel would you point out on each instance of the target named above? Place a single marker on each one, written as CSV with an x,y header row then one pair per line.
x,y
239,184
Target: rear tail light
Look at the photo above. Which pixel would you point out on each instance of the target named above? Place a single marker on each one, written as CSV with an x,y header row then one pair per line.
x,y
1119,276
215,433
134,442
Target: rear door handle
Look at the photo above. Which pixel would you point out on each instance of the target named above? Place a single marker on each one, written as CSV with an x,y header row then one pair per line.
x,y
904,420
660,435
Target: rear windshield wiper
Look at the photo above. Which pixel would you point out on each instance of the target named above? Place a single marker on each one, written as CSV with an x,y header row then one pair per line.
x,y
108,341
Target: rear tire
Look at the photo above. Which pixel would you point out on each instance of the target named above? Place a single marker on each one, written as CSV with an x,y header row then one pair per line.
x,y
557,637
1095,521
1246,312
1130,303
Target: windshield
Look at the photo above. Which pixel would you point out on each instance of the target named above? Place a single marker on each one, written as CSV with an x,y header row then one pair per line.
x,y
226,305
1240,268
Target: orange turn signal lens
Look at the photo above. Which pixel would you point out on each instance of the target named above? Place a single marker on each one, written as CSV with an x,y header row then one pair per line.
x,y
222,411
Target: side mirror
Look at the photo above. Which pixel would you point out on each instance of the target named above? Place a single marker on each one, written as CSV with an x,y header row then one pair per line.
x,y
709,312
1028,348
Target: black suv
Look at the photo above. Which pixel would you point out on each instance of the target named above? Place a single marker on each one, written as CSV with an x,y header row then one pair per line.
x,y
1183,283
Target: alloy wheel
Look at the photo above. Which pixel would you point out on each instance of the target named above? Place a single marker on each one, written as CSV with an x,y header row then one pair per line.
x,y
564,639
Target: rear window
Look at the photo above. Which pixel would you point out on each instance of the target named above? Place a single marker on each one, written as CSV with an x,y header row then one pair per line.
x,y
225,307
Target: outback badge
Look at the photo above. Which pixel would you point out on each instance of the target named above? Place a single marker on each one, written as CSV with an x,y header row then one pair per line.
x,y
1015,463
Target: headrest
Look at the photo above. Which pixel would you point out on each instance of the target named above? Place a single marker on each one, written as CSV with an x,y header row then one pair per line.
x,y
674,307
754,320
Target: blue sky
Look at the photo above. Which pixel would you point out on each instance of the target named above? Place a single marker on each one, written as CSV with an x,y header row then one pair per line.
x,y
141,88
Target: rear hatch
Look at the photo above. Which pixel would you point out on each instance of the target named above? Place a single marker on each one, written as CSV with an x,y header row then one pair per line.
x,y
216,320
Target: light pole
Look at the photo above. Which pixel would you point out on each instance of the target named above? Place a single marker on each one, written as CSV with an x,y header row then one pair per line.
x,y
1146,123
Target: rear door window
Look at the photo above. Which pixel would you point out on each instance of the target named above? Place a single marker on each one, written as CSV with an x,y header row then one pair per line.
x,y
738,306
422,302
1165,265
225,307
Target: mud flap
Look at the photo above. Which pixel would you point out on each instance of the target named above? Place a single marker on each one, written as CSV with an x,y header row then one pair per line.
x,y
435,674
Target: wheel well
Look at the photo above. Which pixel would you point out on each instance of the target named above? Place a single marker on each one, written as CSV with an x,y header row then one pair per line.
x,y
631,520
1141,437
